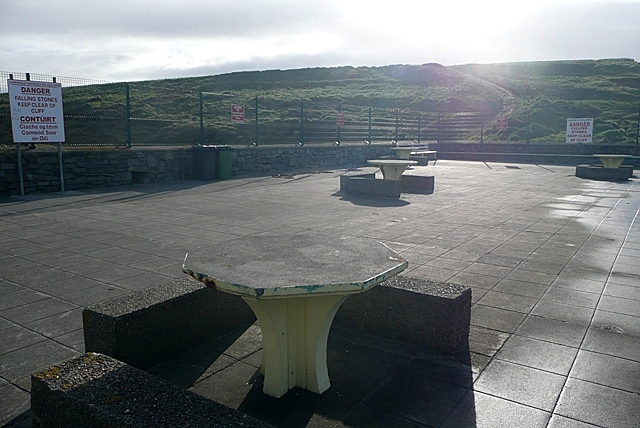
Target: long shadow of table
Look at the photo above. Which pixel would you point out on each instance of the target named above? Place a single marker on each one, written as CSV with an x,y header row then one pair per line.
x,y
375,383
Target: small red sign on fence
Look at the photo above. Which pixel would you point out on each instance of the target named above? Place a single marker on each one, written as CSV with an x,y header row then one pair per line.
x,y
502,123
237,113
340,118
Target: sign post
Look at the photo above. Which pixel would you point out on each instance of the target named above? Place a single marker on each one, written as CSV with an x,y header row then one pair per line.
x,y
580,130
36,117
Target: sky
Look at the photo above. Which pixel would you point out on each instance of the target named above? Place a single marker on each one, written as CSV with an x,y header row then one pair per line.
x,y
127,40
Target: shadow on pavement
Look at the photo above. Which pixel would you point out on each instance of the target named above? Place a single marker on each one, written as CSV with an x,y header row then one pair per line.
x,y
374,383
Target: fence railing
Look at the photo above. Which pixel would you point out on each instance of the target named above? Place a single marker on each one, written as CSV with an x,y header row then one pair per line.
x,y
63,80
100,113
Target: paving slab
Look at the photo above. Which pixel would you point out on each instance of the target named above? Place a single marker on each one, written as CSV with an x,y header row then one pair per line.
x,y
552,261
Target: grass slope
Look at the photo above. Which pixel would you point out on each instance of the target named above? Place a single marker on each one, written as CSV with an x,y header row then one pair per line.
x,y
547,93
537,97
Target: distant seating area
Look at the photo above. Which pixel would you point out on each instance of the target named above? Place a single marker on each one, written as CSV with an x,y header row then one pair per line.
x,y
423,155
416,152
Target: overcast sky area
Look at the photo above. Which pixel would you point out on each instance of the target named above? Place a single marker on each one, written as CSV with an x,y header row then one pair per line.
x,y
119,40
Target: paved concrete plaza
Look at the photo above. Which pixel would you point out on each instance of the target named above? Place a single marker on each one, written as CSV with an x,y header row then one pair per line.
x,y
553,262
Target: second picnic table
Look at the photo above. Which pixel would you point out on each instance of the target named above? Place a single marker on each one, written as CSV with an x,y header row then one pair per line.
x,y
392,169
294,284
611,161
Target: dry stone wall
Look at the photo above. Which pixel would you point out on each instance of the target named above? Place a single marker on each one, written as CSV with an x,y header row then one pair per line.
x,y
85,169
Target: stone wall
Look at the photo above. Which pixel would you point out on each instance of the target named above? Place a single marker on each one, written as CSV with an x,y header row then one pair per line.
x,y
559,154
84,169
267,160
91,168
88,168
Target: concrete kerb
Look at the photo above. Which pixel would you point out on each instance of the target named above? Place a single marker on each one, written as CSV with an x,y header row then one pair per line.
x,y
95,390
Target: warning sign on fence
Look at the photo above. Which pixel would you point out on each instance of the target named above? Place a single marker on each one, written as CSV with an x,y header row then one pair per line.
x,y
340,118
36,111
237,113
579,130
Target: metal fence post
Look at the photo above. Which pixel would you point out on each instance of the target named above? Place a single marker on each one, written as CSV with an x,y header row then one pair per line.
x,y
369,132
302,122
438,130
419,125
481,127
257,128
61,167
638,126
20,171
338,126
128,114
201,121
397,112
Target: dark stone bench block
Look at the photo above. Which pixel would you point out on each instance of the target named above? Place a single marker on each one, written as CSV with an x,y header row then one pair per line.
x,y
96,391
423,158
365,183
417,184
147,327
430,314
604,174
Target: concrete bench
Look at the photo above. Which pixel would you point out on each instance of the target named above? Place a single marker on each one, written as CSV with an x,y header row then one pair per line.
x,y
429,314
363,182
415,183
95,390
423,156
166,321
147,327
622,173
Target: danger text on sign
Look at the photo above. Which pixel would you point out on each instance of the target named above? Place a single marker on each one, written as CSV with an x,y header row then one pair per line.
x,y
36,111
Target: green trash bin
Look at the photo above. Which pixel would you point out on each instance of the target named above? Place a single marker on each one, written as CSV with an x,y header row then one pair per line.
x,y
225,156
205,162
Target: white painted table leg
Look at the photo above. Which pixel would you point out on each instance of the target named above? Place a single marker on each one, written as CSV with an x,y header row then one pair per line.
x,y
390,172
294,337
611,162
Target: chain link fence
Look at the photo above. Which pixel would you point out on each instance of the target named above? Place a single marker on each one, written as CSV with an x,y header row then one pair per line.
x,y
102,113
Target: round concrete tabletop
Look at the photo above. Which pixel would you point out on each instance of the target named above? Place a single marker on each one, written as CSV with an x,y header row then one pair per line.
x,y
288,265
391,162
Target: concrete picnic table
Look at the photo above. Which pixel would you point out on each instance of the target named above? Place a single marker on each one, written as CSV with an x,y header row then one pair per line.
x,y
294,284
392,169
403,152
611,161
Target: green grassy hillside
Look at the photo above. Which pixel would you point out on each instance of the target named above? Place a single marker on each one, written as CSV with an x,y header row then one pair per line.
x,y
547,93
537,98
